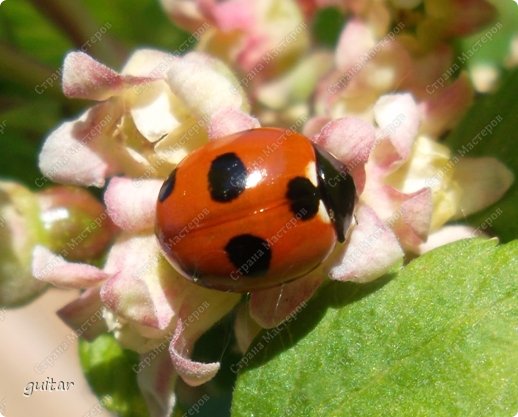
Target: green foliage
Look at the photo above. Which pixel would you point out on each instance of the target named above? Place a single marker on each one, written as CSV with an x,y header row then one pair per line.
x,y
108,369
23,27
327,26
143,24
437,339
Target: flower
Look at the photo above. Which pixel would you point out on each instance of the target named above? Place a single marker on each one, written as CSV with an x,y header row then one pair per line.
x,y
144,301
135,129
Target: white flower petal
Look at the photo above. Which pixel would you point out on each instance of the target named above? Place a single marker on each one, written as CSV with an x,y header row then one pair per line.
x,y
148,63
398,119
230,120
448,234
152,110
204,89
482,182
351,141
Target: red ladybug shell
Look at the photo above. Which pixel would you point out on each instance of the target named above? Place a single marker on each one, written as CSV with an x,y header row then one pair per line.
x,y
249,211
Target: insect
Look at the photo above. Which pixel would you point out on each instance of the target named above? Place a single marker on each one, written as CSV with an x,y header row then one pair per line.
x,y
253,210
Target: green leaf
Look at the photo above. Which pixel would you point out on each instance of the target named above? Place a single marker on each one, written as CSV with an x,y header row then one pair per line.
x,y
153,30
494,48
501,109
18,157
327,26
438,339
108,368
22,126
22,26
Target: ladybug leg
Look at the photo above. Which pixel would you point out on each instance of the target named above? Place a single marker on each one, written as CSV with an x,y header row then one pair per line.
x,y
281,290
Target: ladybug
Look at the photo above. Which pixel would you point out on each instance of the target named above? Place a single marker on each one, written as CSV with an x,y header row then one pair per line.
x,y
253,210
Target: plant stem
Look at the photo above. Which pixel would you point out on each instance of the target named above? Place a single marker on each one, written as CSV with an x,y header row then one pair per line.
x,y
25,70
82,29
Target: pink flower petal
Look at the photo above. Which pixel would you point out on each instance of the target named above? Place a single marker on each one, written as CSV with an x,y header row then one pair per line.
x,y
142,285
411,221
84,77
350,140
355,41
200,309
71,153
193,373
130,299
398,119
146,290
372,250
229,15
448,234
314,125
85,315
131,204
230,120
52,268
272,306
156,380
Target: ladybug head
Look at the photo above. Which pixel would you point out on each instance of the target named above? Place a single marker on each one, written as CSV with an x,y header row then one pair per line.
x,y
337,190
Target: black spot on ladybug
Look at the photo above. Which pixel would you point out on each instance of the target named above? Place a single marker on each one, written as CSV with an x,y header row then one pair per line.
x,y
251,255
304,198
167,186
227,177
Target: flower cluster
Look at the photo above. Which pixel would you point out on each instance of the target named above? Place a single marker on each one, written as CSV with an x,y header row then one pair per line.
x,y
377,106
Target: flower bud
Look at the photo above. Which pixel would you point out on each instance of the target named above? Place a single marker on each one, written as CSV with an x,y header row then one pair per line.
x,y
77,225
